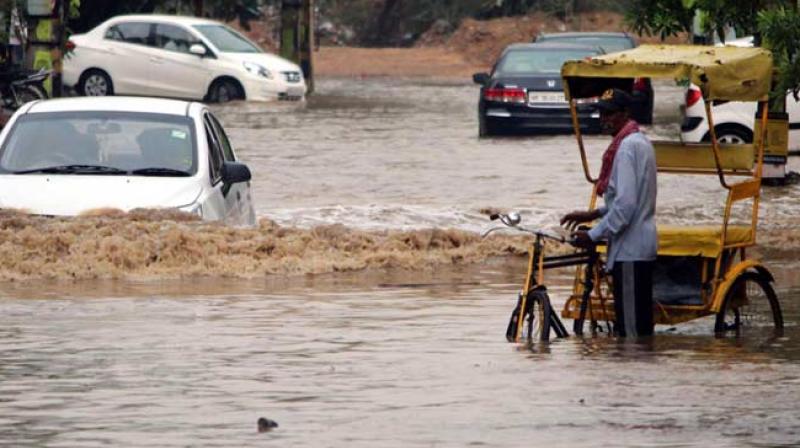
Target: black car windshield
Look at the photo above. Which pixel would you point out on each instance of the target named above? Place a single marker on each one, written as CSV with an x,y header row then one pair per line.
x,y
609,44
536,61
227,40
100,143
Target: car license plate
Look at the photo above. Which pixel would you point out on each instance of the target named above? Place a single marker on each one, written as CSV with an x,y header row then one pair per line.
x,y
535,98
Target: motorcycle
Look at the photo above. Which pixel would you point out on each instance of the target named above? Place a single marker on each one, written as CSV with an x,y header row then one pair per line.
x,y
20,86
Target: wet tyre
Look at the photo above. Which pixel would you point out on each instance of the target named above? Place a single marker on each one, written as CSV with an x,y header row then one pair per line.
x,y
545,316
539,316
750,308
225,90
95,83
731,134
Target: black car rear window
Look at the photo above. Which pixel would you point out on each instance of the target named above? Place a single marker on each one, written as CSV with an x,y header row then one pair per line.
x,y
609,44
534,61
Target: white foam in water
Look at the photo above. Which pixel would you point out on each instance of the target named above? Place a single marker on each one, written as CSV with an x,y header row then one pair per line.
x,y
405,217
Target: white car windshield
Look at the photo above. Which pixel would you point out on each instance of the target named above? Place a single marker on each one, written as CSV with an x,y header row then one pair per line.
x,y
100,143
227,40
532,62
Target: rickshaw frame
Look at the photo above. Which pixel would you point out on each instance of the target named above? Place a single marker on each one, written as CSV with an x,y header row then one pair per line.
x,y
723,74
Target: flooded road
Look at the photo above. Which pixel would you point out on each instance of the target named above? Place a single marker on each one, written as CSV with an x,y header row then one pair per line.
x,y
393,153
337,363
387,357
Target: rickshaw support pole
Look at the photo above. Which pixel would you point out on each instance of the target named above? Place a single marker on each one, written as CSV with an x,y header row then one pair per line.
x,y
576,126
715,145
762,141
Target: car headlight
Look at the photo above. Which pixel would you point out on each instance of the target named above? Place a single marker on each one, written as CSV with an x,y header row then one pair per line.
x,y
257,69
194,209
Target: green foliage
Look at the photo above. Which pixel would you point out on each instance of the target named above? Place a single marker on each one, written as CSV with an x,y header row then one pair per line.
x,y
671,17
776,21
74,9
660,17
778,28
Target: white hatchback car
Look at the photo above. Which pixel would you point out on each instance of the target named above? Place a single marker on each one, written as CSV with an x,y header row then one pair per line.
x,y
70,156
177,57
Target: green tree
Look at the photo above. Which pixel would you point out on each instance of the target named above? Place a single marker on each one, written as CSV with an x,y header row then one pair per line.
x,y
779,31
773,22
94,12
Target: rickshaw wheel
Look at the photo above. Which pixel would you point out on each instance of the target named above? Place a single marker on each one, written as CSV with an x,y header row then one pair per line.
x,y
750,306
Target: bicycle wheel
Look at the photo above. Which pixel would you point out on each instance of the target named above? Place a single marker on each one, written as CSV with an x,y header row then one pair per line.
x,y
519,316
534,327
750,308
539,316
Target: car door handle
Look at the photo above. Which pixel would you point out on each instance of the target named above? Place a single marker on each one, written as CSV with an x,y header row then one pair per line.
x,y
156,60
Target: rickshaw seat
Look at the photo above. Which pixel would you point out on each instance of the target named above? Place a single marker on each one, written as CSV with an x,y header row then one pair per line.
x,y
699,158
703,241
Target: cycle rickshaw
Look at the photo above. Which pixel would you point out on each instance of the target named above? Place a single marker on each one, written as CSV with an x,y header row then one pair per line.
x,y
701,271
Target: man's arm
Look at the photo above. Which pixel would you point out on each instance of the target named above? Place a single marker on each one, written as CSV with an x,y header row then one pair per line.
x,y
573,219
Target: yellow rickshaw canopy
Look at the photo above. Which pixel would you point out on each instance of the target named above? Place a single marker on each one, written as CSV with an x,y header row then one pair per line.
x,y
722,73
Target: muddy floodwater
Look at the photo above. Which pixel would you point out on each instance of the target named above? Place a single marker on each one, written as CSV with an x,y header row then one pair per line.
x,y
397,343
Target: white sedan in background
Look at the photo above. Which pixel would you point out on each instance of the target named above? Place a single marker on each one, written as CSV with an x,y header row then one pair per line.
x,y
734,122
177,57
66,157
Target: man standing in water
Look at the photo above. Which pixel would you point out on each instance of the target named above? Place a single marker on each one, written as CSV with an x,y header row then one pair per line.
x,y
627,183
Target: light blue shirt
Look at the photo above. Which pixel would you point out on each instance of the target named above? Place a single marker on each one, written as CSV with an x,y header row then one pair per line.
x,y
628,218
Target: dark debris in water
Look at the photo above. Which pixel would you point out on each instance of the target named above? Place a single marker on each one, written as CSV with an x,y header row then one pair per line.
x,y
266,425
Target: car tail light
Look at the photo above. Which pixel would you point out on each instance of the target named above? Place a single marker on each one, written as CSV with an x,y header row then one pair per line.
x,y
693,95
70,45
640,85
505,95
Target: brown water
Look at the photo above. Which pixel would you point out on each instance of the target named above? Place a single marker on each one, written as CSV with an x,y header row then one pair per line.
x,y
182,340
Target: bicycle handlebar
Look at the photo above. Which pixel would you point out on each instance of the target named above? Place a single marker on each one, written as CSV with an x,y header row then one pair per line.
x,y
513,219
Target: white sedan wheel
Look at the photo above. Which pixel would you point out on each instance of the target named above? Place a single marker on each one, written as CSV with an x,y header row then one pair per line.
x,y
731,139
96,84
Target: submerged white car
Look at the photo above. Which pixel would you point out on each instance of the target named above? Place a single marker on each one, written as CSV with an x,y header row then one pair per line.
x,y
177,57
66,157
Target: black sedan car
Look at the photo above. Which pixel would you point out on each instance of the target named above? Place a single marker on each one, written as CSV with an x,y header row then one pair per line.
x,y
524,91
609,42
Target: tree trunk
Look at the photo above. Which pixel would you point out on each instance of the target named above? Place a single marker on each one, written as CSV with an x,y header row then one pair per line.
x,y
382,31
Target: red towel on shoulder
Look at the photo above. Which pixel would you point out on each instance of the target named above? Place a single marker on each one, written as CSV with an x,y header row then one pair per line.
x,y
611,152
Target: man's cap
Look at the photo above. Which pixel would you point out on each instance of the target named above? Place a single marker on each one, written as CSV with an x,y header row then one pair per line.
x,y
614,100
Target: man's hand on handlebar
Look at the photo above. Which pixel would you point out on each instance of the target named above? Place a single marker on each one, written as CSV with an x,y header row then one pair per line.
x,y
581,239
573,219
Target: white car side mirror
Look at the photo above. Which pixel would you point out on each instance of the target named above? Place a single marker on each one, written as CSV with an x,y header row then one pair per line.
x,y
198,50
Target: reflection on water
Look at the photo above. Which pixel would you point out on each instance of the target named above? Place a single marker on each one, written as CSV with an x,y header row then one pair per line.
x,y
405,347
415,360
